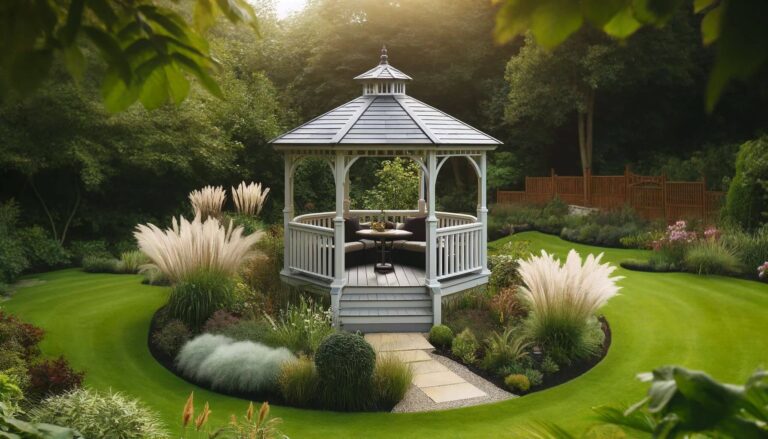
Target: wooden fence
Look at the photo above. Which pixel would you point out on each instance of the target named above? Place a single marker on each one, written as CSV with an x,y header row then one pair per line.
x,y
652,196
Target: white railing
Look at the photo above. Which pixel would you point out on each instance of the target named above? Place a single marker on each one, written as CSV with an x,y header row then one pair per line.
x,y
310,249
459,249
444,219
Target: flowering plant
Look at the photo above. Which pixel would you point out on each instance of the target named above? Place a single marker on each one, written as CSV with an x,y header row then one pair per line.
x,y
302,326
762,271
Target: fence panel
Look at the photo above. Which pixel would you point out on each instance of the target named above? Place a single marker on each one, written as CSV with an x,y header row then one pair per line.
x,y
608,192
648,201
570,189
685,199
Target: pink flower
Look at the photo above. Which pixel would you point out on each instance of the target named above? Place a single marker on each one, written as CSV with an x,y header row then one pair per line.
x,y
762,271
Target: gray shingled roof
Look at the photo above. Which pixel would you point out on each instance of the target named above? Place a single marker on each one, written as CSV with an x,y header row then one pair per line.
x,y
385,119
383,71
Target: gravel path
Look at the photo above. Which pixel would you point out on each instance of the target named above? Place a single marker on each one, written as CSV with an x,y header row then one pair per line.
x,y
417,401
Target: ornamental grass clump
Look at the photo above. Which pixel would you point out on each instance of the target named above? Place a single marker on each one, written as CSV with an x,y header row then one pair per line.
x,y
302,327
249,198
100,415
299,381
207,202
711,257
189,246
563,300
195,351
391,379
131,262
199,295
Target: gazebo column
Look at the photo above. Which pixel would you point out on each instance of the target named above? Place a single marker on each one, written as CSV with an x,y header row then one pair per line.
x,y
347,201
422,202
431,223
337,285
287,210
482,212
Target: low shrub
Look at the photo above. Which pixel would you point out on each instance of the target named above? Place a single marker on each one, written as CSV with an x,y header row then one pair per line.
x,y
243,367
517,383
656,262
710,257
302,327
19,336
131,262
219,322
504,348
195,351
441,336
751,248
549,366
465,346
345,363
199,295
254,330
52,377
505,305
171,337
42,251
249,302
98,264
100,415
535,377
299,381
391,380
82,249
153,276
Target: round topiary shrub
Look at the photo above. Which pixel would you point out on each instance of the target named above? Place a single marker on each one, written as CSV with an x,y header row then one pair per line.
x,y
517,382
345,364
441,336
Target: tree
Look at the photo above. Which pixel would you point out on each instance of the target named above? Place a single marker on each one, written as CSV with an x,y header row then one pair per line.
x,y
739,27
747,199
397,187
552,86
149,49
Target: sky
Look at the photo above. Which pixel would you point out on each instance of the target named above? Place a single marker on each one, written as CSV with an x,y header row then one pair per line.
x,y
286,7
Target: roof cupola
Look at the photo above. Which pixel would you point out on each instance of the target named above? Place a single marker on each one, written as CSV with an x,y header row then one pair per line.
x,y
383,79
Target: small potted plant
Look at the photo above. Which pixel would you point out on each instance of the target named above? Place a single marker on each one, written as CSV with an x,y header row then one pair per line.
x,y
381,224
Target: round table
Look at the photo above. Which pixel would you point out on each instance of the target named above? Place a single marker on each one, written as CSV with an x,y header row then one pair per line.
x,y
388,235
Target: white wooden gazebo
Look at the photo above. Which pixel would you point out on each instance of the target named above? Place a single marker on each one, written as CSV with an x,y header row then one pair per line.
x,y
452,255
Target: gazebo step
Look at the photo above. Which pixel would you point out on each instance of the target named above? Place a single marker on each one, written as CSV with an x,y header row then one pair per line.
x,y
354,313
350,290
385,300
386,319
387,327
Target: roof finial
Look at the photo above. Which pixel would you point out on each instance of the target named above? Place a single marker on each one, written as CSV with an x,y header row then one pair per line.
x,y
384,57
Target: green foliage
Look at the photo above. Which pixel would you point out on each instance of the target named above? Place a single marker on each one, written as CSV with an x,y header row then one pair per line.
x,y
14,260
153,276
441,336
535,377
198,296
391,380
517,383
504,265
96,264
747,199
504,348
505,305
397,186
131,262
682,402
657,262
738,29
42,251
302,327
566,340
96,414
345,363
299,382
18,336
83,249
219,322
149,49
254,330
711,257
171,337
465,346
549,366
751,248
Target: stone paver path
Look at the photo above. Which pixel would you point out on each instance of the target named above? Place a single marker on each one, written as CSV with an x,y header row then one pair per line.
x,y
431,377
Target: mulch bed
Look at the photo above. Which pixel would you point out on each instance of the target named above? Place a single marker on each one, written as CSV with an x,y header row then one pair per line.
x,y
564,375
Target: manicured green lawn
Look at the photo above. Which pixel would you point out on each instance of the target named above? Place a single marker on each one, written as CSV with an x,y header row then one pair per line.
x,y
718,324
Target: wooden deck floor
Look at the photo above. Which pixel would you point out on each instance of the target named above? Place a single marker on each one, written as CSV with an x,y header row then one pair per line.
x,y
403,276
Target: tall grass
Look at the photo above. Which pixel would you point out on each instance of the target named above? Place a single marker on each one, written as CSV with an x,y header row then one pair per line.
x,y
391,380
249,198
131,261
207,202
199,295
299,381
711,257
190,246
563,300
